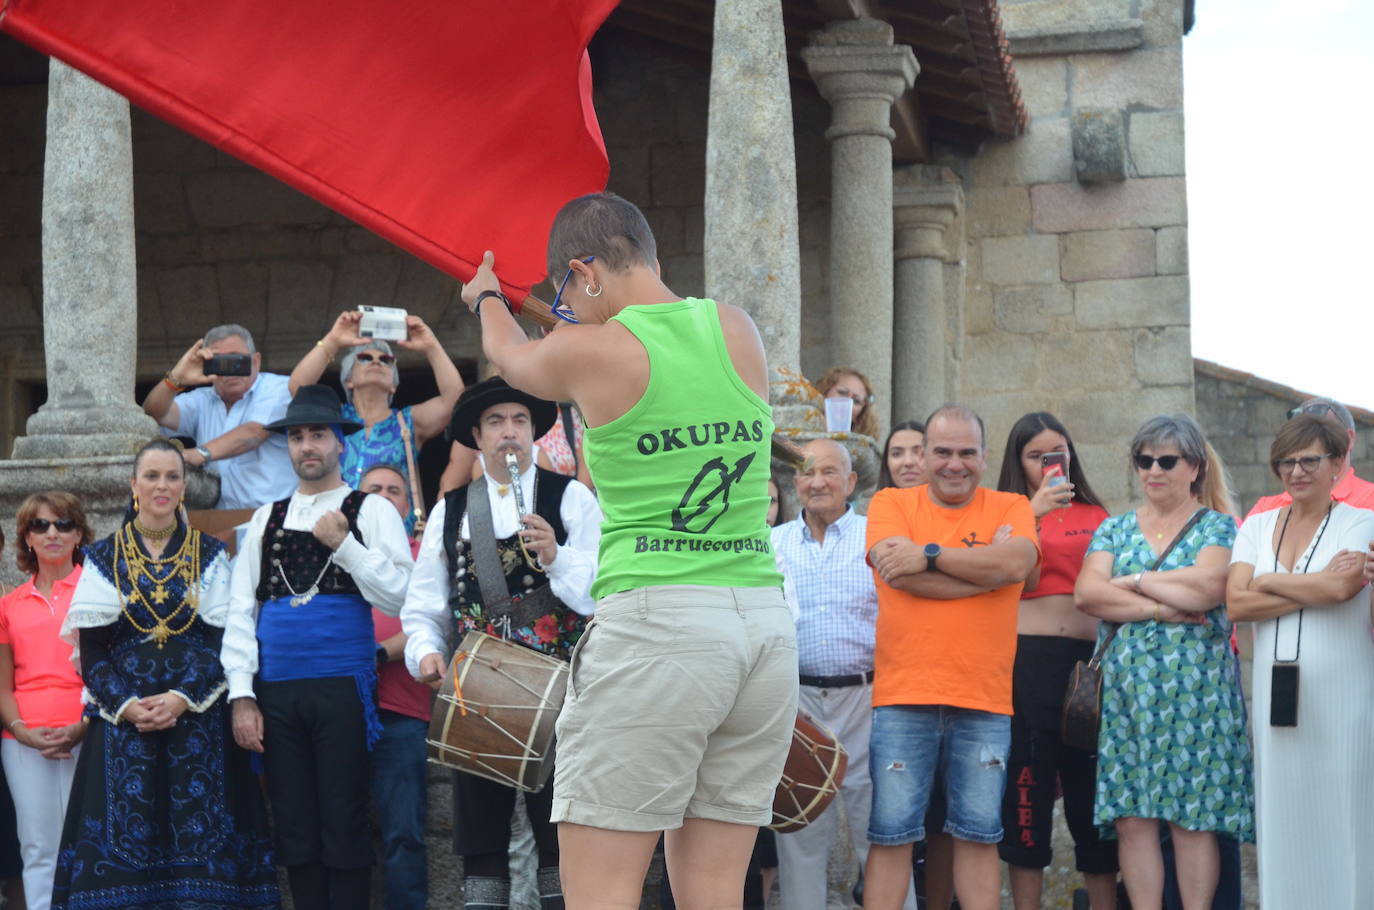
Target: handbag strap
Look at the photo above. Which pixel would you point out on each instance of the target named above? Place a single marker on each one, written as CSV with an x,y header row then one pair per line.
x,y
1116,626
417,501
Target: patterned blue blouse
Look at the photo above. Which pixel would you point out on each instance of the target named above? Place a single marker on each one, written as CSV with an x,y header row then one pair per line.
x,y
382,444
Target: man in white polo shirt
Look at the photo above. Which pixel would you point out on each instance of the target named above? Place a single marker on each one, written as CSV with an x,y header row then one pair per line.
x,y
226,416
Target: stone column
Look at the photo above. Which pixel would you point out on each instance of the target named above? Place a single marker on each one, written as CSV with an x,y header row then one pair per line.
x,y
861,73
922,214
751,255
89,299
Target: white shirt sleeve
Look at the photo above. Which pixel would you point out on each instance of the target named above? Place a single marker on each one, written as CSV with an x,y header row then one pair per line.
x,y
382,568
270,398
574,569
239,650
1246,547
425,616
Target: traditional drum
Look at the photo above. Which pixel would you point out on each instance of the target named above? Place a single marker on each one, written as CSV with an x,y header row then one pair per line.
x,y
495,712
812,776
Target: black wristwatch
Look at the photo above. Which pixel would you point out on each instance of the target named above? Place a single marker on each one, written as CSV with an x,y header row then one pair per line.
x,y
381,656
477,304
932,551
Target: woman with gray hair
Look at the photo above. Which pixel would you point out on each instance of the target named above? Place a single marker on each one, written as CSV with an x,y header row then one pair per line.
x,y
1172,745
370,377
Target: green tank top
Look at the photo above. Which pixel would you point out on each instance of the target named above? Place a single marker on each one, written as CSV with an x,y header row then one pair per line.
x,y
683,475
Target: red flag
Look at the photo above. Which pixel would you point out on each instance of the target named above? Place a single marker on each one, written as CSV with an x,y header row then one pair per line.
x,y
447,127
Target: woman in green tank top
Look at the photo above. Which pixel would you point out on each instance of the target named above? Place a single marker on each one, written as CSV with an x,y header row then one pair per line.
x,y
682,691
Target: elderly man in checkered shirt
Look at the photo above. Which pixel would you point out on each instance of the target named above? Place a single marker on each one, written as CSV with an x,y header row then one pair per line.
x,y
823,554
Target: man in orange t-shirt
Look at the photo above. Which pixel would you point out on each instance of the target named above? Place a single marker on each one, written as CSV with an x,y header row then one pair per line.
x,y
950,559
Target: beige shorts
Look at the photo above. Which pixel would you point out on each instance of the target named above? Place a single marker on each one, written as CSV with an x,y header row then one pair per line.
x,y
681,701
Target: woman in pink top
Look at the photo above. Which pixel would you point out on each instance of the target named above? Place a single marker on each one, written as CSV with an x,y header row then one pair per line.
x,y
40,693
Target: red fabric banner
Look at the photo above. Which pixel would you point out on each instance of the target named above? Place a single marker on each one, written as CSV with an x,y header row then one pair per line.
x,y
446,126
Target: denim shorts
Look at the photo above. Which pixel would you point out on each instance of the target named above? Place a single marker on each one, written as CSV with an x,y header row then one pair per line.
x,y
909,743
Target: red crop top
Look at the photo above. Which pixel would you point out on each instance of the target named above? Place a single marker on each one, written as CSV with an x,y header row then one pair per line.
x,y
1064,538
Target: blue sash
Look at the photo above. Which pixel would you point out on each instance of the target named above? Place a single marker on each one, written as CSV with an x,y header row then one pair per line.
x,y
331,635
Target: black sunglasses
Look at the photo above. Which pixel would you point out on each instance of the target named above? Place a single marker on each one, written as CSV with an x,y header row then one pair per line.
x,y
41,525
1318,409
381,358
1166,462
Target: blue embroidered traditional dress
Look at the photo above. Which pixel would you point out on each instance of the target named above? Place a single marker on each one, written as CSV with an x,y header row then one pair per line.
x,y
173,818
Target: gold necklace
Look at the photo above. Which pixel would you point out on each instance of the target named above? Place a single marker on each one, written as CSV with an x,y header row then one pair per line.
x,y
136,566
155,533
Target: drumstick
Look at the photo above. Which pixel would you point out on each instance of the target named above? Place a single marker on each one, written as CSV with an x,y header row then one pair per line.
x,y
429,678
541,314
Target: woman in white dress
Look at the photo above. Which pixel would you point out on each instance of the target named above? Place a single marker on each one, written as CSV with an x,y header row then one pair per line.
x,y
1297,573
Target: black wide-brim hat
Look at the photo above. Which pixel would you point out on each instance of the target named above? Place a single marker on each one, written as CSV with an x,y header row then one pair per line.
x,y
314,406
489,393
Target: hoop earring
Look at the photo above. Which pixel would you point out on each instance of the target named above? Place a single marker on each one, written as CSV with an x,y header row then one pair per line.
x,y
135,503
598,291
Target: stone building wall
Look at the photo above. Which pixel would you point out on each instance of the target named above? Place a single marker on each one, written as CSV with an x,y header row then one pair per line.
x,y
1075,293
1241,412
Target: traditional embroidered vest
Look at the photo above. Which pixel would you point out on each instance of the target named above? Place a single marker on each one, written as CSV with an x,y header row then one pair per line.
x,y
300,556
552,632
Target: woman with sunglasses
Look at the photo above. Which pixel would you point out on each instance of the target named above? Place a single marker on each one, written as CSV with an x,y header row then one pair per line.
x,y
1297,573
40,693
165,810
1042,464
369,377
1172,746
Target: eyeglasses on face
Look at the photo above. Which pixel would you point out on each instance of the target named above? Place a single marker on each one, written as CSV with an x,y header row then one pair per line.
x,y
560,309
1309,463
1166,462
41,525
1317,409
369,357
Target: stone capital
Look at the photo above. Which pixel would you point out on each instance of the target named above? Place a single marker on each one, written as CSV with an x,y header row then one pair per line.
x,y
921,215
861,73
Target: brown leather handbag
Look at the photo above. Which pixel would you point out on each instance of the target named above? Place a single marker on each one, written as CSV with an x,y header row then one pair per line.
x,y
1078,725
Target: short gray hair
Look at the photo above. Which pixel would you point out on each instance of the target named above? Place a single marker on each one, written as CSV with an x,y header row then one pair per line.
x,y
231,330
351,359
1179,430
845,458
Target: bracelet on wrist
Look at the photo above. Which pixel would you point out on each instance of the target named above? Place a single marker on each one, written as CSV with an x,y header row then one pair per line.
x,y
171,383
19,721
328,352
477,304
1136,581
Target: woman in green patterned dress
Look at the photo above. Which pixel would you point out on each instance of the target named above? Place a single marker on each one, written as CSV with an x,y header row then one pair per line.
x,y
1173,745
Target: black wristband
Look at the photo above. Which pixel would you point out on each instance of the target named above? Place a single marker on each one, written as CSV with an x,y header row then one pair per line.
x,y
477,304
381,655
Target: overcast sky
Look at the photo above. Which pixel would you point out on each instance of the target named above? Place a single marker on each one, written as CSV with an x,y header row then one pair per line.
x,y
1281,191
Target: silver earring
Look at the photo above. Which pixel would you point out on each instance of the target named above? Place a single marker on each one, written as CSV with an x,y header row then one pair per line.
x,y
598,291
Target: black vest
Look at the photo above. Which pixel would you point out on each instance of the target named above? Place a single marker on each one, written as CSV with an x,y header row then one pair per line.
x,y
463,589
301,556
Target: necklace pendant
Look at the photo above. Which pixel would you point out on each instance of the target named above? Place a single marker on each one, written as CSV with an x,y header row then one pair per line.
x,y
305,596
159,595
160,634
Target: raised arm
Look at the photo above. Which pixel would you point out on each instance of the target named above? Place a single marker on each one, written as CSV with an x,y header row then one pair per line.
x,y
161,401
432,416
342,335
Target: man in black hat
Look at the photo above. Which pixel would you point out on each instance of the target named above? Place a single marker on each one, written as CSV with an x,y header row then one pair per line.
x,y
525,578
309,572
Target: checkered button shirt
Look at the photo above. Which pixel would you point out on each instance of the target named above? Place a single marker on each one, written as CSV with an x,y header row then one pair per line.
x,y
834,588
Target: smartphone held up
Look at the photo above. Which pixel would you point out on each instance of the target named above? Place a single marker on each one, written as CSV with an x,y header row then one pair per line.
x,y
1054,468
